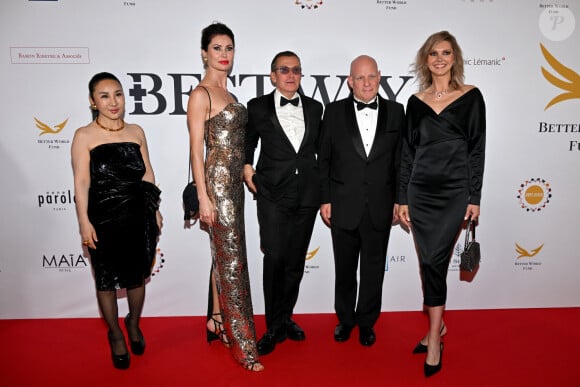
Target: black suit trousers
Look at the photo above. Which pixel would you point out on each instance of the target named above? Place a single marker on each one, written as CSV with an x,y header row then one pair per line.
x,y
371,246
285,232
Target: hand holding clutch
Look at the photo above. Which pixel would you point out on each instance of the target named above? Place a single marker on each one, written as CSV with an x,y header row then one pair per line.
x,y
471,254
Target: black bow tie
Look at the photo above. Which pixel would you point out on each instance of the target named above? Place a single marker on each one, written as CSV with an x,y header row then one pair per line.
x,y
285,101
362,105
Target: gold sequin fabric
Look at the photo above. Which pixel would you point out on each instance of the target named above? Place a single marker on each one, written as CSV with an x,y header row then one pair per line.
x,y
224,139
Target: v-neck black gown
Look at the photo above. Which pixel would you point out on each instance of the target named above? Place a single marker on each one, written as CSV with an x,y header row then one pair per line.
x,y
441,173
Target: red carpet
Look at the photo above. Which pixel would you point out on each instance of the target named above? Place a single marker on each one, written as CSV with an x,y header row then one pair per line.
x,y
521,347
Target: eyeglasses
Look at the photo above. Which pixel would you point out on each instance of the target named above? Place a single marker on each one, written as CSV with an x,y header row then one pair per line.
x,y
286,70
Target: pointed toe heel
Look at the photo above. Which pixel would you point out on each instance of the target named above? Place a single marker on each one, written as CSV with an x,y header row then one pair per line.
x,y
420,348
431,370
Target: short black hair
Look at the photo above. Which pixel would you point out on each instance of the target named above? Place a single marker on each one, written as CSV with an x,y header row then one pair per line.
x,y
280,54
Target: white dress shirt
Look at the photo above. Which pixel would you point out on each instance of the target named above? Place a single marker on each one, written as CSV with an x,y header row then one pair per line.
x,y
367,124
291,118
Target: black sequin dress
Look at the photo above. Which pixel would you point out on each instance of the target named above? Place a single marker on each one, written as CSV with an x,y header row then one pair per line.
x,y
122,210
224,139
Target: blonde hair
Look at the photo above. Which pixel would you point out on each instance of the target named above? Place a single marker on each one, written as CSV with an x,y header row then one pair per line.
x,y
420,66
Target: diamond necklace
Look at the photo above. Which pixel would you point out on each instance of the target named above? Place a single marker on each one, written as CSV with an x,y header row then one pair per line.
x,y
439,94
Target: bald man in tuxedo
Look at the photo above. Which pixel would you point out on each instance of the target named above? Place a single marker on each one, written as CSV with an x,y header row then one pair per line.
x,y
359,161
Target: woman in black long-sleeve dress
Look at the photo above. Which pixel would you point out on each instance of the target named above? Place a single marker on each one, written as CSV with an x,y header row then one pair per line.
x,y
441,173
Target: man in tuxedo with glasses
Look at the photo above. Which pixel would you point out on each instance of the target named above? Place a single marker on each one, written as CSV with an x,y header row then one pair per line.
x,y
286,185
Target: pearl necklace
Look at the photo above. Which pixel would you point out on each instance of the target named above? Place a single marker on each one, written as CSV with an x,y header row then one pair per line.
x,y
110,129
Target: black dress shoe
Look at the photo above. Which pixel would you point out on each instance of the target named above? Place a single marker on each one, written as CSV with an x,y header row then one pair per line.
x,y
431,370
266,344
137,347
366,336
294,332
342,332
272,337
280,334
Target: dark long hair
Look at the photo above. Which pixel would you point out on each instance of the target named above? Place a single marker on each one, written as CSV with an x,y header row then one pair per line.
x,y
212,30
93,83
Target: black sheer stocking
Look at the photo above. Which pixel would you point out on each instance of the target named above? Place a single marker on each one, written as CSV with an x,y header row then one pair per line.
x,y
136,298
108,305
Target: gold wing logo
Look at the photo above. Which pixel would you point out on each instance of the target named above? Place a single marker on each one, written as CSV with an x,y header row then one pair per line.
x,y
44,128
312,253
572,87
525,253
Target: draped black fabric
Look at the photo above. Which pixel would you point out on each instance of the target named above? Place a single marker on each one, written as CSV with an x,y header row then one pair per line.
x,y
441,173
122,209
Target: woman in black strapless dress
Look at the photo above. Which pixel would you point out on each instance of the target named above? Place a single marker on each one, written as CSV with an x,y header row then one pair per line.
x,y
117,209
441,173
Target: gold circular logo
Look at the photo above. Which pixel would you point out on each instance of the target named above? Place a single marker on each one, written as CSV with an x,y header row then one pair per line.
x,y
534,194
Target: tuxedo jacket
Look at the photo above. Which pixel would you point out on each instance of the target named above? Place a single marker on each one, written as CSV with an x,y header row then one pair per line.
x,y
279,163
349,178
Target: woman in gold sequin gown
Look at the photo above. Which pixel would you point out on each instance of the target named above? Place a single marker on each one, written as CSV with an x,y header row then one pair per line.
x,y
213,115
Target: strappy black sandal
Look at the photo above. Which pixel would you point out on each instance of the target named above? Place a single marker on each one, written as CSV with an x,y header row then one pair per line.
x,y
252,365
219,332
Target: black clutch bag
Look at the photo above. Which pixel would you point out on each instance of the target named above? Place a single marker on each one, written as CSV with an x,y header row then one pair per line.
x,y
190,202
189,196
471,254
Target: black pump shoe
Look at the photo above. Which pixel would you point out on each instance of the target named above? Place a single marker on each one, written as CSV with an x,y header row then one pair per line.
x,y
121,362
137,347
422,348
431,370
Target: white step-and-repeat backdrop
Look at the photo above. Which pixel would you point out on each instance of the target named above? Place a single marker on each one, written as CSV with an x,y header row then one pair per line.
x,y
522,54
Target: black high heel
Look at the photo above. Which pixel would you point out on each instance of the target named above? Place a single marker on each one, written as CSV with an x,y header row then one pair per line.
x,y
121,362
211,336
431,370
219,332
137,347
422,348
